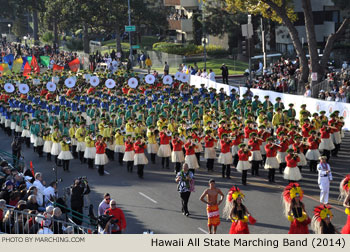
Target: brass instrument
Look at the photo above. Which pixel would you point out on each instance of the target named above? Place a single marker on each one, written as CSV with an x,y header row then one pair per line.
x,y
169,133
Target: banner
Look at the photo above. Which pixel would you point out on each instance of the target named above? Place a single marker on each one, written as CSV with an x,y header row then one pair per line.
x,y
4,69
29,59
35,65
45,60
17,65
57,68
9,59
197,81
26,70
312,105
74,65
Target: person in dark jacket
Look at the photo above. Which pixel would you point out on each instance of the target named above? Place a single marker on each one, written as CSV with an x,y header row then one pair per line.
x,y
79,189
6,191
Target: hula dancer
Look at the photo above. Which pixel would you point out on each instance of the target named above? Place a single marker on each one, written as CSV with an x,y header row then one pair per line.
x,y
56,147
47,143
190,157
345,196
321,221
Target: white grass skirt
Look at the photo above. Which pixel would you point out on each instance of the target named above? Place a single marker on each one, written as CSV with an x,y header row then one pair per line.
x,y
18,128
7,123
234,150
303,161
111,146
101,159
81,146
225,158
152,148
129,156
140,159
342,134
65,155
256,156
313,154
292,174
192,162
326,144
271,163
164,150
13,125
177,156
56,149
119,149
90,152
25,133
32,138
74,141
262,148
47,146
88,120
281,157
3,119
243,165
209,153
38,142
336,138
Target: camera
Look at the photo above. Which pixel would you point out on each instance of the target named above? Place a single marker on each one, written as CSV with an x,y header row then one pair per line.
x,y
83,181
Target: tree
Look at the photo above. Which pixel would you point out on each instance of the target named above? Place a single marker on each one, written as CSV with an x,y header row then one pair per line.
x,y
282,11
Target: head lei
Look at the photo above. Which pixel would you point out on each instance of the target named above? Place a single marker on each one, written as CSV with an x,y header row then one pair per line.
x,y
291,191
322,211
234,194
344,187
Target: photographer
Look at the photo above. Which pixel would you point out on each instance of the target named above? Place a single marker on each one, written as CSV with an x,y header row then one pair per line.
x,y
79,189
118,222
16,150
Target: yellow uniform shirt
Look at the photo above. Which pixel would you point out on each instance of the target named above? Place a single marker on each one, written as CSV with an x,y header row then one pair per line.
x,y
72,131
129,128
276,119
55,137
89,142
119,139
206,119
80,134
64,146
151,137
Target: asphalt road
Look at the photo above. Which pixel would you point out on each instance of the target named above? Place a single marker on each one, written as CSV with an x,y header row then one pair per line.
x,y
153,203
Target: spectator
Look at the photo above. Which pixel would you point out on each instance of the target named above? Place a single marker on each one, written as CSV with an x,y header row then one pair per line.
x,y
166,68
307,91
148,63
39,183
6,191
104,205
119,223
79,189
32,203
224,73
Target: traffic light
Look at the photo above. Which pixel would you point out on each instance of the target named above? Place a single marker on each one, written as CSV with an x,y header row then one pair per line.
x,y
244,48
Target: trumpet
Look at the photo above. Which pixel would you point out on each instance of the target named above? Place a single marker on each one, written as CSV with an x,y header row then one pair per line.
x,y
247,149
169,133
295,155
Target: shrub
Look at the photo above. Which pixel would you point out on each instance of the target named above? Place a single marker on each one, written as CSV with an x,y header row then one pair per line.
x,y
190,49
47,37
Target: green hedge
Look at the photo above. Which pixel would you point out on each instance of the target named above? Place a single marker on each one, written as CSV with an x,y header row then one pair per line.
x,y
190,49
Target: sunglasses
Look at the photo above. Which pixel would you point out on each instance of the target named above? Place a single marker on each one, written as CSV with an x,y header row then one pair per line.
x,y
108,199
113,204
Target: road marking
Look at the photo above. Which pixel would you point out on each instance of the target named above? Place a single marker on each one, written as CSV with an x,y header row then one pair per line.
x,y
201,229
106,172
144,195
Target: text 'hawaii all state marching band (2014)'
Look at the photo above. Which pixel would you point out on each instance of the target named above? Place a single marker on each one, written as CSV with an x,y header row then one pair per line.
x,y
310,241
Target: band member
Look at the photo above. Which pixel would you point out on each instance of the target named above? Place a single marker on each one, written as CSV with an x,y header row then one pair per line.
x,y
164,150
243,164
299,148
140,159
282,151
80,135
255,143
335,136
209,151
90,150
47,143
65,154
119,146
152,147
326,142
129,153
190,157
345,197
177,155
237,212
237,138
313,153
56,147
324,178
74,141
210,197
294,209
292,172
321,221
25,130
271,163
101,158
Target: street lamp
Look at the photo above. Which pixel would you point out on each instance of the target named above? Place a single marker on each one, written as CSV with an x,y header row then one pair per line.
x,y
129,12
9,25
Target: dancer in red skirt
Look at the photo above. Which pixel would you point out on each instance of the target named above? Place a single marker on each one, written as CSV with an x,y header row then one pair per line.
x,y
237,212
294,209
345,195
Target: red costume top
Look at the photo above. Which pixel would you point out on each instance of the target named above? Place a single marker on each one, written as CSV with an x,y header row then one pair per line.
x,y
271,150
225,146
129,146
255,144
292,162
325,133
299,147
100,147
189,147
305,129
263,134
284,146
313,143
117,215
164,138
177,144
209,141
238,139
221,130
248,130
242,156
139,148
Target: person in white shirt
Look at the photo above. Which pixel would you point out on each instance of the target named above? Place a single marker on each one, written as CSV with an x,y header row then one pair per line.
x,y
104,205
307,91
184,68
40,185
204,74
345,65
211,75
324,178
45,229
50,192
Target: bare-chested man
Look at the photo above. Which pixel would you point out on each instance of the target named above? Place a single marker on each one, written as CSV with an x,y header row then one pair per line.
x,y
210,197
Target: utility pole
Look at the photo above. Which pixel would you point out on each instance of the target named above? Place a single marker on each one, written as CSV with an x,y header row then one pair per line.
x,y
129,12
249,51
263,43
204,39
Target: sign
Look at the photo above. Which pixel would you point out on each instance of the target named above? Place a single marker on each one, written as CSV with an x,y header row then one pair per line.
x,y
135,47
130,28
247,30
314,76
119,54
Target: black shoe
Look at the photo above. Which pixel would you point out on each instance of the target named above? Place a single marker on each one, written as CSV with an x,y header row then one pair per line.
x,y
187,214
